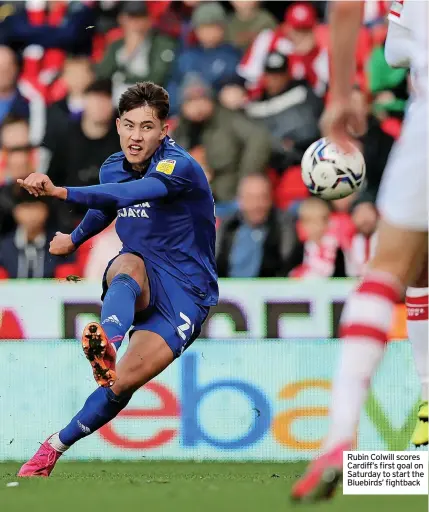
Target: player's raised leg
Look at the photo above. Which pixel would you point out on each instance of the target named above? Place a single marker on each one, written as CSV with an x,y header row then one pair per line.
x,y
147,356
128,291
417,325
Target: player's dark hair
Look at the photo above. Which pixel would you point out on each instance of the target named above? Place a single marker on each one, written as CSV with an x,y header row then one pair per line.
x,y
145,94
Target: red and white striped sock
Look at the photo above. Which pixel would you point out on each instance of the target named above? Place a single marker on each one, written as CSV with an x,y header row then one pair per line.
x,y
365,323
417,326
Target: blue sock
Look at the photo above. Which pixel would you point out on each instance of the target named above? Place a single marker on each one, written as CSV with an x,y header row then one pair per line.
x,y
100,407
117,313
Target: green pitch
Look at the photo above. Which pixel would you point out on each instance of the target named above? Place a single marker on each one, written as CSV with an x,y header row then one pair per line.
x,y
177,487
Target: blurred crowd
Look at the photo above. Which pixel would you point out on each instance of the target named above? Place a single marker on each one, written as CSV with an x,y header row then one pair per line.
x,y
248,81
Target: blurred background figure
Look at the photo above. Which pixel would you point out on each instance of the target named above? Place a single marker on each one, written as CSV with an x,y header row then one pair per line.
x,y
24,252
289,109
375,145
79,151
213,57
247,21
141,54
363,241
232,145
11,100
77,76
295,37
320,246
18,161
257,241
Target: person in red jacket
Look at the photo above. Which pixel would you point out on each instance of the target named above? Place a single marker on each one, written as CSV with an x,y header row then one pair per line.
x,y
296,38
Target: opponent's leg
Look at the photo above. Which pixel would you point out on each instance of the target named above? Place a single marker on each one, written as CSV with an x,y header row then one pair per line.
x,y
147,356
417,325
128,292
365,323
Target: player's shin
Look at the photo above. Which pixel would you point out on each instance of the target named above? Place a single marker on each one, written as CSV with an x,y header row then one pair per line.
x,y
417,326
100,407
117,313
365,323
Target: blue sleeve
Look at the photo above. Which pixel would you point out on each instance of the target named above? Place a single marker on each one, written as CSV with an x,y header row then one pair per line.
x,y
94,222
169,178
117,195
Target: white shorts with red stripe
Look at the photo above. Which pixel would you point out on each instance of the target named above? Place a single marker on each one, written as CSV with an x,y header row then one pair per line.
x,y
402,197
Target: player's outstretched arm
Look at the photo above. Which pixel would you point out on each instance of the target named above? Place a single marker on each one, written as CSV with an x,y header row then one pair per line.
x,y
117,195
101,197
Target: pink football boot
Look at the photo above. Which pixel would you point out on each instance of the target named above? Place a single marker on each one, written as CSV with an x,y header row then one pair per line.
x,y
322,477
42,463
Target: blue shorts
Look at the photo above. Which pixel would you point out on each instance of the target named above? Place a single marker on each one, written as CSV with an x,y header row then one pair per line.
x,y
172,312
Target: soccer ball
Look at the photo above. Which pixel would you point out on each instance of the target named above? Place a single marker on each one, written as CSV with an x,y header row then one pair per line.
x,y
330,173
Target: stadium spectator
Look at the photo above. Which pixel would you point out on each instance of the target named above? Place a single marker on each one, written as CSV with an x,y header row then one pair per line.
x,y
11,100
18,162
213,58
247,21
232,145
24,253
320,245
142,54
296,38
289,109
233,94
257,241
78,153
362,243
77,76
388,86
375,146
59,25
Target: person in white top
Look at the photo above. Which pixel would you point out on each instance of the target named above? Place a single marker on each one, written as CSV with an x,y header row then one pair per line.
x,y
399,51
401,251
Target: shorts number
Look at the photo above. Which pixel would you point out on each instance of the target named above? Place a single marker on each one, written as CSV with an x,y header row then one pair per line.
x,y
182,329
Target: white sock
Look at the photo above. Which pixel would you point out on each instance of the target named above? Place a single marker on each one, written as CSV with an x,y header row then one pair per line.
x,y
417,326
365,322
56,444
358,363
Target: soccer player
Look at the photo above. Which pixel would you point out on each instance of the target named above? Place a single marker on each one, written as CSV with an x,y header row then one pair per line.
x,y
398,50
402,243
163,281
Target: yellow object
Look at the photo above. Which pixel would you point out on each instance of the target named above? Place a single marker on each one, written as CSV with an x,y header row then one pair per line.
x,y
420,434
166,166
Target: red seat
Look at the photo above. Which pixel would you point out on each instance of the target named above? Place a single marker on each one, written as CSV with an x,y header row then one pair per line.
x,y
290,188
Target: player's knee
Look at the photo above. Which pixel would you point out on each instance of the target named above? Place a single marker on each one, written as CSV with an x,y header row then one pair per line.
x,y
127,387
124,387
136,270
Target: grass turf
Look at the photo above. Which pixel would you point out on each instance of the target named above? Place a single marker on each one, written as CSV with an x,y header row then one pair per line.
x,y
177,487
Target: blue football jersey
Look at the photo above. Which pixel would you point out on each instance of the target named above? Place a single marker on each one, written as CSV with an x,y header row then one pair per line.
x,y
177,232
